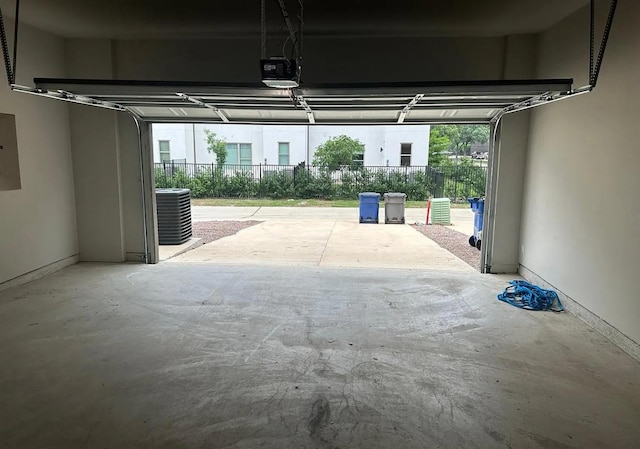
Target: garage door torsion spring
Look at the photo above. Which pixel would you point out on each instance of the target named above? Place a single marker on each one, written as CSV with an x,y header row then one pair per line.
x,y
5,51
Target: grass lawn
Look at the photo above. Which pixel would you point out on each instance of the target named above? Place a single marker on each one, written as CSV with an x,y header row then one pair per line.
x,y
231,202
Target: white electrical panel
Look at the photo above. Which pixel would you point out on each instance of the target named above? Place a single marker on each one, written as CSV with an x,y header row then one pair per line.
x,y
9,164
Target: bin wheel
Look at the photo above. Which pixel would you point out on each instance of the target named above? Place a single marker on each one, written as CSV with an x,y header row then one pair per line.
x,y
402,220
478,244
386,220
472,241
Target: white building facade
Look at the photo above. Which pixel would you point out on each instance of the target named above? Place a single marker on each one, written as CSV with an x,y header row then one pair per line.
x,y
393,145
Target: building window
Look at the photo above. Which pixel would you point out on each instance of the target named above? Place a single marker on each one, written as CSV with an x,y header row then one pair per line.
x,y
405,154
165,150
238,154
358,158
283,153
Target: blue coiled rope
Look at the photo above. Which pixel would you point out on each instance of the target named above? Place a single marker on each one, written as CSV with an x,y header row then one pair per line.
x,y
527,296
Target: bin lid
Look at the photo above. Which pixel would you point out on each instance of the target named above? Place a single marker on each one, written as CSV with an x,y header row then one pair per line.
x,y
369,195
395,195
440,200
174,191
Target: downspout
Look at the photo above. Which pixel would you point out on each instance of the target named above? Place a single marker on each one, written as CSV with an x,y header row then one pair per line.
x,y
308,154
195,159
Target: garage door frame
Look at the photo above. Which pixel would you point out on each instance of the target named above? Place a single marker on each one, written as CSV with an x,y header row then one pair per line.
x,y
356,104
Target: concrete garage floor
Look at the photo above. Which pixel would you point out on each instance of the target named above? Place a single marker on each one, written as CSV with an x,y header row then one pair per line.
x,y
219,356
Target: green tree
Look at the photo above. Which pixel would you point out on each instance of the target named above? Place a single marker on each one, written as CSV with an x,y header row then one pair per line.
x,y
337,152
216,146
462,136
439,144
470,134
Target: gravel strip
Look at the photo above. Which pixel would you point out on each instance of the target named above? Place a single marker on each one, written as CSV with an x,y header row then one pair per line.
x,y
455,242
209,231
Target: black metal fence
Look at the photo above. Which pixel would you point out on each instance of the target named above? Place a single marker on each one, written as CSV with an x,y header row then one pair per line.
x,y
299,181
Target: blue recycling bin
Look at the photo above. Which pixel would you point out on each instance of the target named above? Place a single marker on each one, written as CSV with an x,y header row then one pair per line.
x,y
369,207
477,206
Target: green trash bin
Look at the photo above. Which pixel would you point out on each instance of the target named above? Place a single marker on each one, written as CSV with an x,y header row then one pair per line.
x,y
441,211
394,207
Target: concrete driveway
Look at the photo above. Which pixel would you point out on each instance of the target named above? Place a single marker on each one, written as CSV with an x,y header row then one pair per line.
x,y
325,237
461,219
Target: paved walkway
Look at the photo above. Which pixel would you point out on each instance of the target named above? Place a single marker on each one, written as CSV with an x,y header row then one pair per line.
x,y
461,219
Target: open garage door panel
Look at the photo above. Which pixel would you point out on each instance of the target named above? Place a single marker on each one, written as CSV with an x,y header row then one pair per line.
x,y
375,104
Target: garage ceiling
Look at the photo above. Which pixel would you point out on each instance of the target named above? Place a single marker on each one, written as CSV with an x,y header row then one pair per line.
x,y
409,103
138,19
396,103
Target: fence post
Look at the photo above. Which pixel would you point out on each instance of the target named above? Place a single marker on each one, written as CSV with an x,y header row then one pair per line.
x,y
455,183
214,184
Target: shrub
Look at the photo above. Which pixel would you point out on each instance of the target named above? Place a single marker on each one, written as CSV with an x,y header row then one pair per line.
x,y
461,181
277,185
241,185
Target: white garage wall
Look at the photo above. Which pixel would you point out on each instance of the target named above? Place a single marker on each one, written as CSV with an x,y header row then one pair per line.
x,y
509,159
37,223
581,212
96,165
106,162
